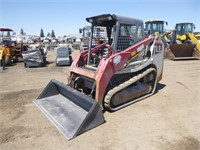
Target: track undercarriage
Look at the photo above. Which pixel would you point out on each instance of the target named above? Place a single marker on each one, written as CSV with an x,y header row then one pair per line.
x,y
132,90
140,85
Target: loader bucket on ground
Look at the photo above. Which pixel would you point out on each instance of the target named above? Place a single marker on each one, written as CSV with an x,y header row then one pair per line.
x,y
182,51
69,110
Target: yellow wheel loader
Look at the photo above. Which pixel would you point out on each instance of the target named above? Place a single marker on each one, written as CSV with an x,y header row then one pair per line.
x,y
5,56
153,26
184,43
157,26
5,49
2,58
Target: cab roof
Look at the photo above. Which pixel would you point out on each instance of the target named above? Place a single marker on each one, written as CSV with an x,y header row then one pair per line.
x,y
185,23
5,29
155,20
111,19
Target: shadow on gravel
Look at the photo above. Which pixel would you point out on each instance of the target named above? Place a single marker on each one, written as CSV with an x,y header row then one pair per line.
x,y
159,87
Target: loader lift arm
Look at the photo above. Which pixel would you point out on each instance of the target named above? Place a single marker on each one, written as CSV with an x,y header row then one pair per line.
x,y
193,38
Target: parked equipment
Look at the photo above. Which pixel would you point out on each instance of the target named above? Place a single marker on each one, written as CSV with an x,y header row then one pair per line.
x,y
85,31
5,56
6,52
10,51
184,44
153,26
34,58
63,56
110,76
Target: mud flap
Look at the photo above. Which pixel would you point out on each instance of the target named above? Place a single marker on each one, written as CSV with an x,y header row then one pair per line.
x,y
71,111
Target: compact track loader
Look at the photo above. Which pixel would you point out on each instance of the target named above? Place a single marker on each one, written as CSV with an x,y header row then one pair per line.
x,y
121,71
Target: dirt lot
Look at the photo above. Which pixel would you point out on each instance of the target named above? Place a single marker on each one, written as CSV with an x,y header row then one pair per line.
x,y
168,120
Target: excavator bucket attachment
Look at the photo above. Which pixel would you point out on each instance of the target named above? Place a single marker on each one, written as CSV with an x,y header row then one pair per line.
x,y
182,51
69,110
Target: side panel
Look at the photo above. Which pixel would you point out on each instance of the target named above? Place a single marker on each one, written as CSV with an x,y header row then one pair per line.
x,y
108,67
158,55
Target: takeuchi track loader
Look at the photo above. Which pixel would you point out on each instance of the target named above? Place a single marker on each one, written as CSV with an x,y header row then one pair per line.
x,y
121,71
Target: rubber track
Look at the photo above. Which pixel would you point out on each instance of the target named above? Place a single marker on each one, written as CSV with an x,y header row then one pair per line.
x,y
107,100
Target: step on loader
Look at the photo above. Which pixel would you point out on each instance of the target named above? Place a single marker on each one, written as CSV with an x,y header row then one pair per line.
x,y
116,73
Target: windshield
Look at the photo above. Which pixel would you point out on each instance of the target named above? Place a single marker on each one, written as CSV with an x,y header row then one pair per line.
x,y
155,27
184,28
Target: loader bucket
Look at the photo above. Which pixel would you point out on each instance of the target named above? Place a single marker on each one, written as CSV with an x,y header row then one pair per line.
x,y
182,51
69,110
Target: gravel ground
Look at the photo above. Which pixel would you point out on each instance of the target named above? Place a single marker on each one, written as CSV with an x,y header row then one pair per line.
x,y
168,120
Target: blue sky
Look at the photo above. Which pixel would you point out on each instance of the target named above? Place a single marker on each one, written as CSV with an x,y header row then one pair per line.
x,y
67,16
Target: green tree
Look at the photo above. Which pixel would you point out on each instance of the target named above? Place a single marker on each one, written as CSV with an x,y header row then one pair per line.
x,y
48,34
52,34
22,31
41,33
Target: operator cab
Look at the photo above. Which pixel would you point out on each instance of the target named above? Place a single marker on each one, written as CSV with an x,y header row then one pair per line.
x,y
153,26
184,28
5,39
117,31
